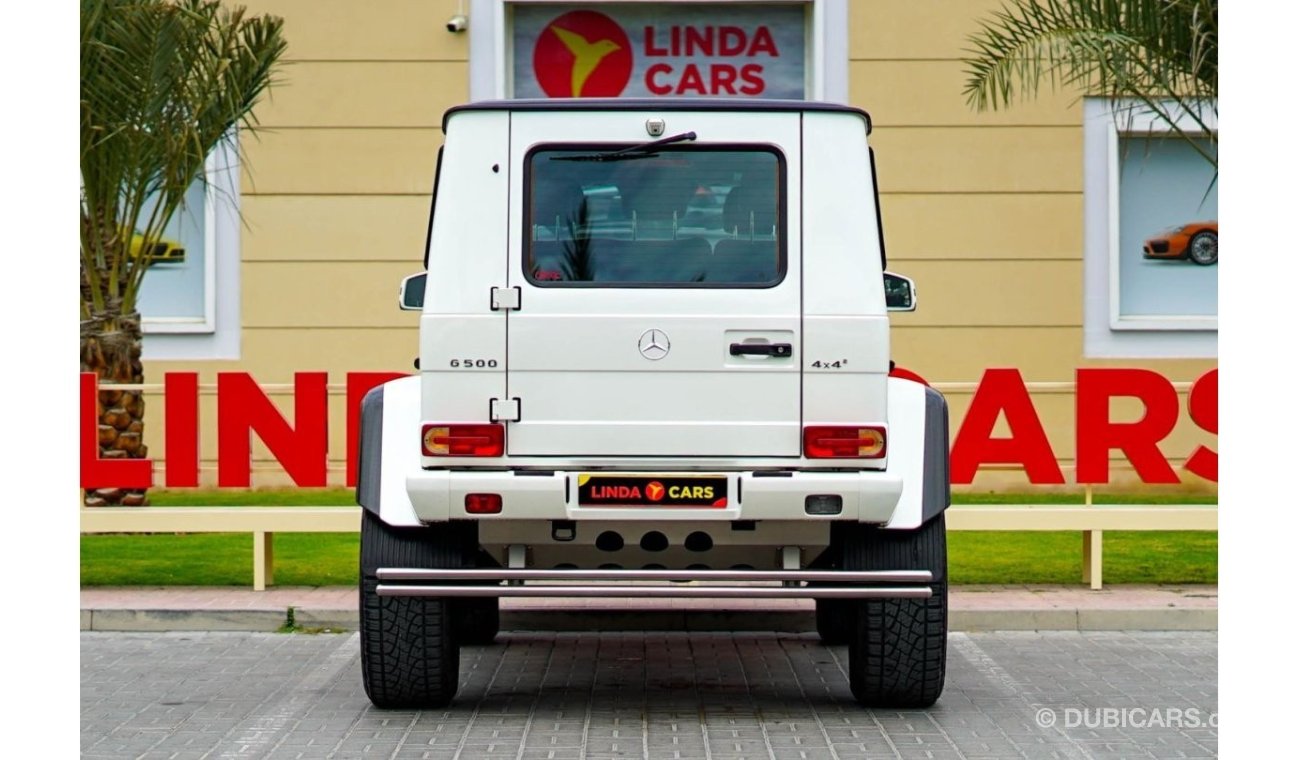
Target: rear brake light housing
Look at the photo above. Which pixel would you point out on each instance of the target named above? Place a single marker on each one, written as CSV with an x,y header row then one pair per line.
x,y
463,440
844,442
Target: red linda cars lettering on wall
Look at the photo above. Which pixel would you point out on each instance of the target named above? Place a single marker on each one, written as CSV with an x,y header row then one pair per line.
x,y
722,78
1003,392
243,408
302,448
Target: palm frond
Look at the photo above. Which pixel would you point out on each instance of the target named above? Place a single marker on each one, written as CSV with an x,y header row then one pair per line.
x,y
1155,52
162,84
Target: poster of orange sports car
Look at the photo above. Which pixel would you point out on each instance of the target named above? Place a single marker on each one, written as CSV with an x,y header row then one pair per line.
x,y
1197,242
1167,244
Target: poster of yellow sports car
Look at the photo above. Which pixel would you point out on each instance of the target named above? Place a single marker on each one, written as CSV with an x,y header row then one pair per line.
x,y
162,251
173,290
1165,264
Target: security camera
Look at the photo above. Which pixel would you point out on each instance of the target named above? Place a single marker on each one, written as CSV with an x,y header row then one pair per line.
x,y
457,23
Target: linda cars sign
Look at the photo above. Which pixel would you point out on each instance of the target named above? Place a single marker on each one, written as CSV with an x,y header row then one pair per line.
x,y
645,51
302,448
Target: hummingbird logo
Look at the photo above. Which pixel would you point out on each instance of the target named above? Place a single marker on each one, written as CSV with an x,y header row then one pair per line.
x,y
582,54
587,55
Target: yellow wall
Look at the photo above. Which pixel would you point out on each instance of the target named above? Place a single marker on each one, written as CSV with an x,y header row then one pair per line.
x,y
335,199
985,211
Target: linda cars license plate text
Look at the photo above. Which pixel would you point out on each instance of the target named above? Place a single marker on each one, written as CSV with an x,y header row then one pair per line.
x,y
652,490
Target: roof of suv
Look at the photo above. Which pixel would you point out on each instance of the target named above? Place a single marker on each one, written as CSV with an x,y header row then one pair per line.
x,y
655,104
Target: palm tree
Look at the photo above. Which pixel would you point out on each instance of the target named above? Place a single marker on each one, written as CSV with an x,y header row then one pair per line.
x,y
1161,54
163,82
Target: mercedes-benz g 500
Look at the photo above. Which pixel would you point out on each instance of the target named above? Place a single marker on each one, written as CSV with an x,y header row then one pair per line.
x,y
654,361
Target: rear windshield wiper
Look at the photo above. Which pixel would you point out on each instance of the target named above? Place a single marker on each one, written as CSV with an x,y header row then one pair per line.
x,y
644,150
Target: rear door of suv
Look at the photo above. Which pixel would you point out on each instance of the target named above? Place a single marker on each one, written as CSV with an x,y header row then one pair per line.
x,y
659,292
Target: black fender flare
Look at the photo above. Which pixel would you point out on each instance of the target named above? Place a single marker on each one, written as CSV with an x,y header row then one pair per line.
x,y
936,489
370,449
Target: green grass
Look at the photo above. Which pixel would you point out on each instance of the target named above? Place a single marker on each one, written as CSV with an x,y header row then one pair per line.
x,y
326,559
216,559
1052,557
270,497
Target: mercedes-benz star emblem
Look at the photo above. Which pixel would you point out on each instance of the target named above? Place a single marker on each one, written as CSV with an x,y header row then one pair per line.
x,y
654,344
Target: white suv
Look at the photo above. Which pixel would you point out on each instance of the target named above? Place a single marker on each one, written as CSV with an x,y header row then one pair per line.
x,y
654,361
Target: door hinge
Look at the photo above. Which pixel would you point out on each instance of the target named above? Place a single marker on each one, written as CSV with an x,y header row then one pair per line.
x,y
506,299
505,410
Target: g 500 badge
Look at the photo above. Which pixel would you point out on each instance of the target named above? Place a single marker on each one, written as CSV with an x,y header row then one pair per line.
x,y
652,491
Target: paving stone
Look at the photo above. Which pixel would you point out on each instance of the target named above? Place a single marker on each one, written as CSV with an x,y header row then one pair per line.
x,y
660,695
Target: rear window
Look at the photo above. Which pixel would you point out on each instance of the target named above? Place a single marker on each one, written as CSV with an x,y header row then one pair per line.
x,y
682,216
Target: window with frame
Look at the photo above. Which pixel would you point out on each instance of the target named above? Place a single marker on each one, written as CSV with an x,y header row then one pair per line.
x,y
681,216
189,298
176,295
1151,231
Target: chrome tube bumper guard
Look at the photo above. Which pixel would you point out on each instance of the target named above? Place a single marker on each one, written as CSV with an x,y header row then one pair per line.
x,y
843,584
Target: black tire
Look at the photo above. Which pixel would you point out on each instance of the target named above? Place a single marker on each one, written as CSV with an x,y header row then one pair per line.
x,y
1203,248
898,654
410,657
836,621
477,619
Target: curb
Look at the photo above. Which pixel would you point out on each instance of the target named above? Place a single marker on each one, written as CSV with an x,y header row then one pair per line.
x,y
182,620
779,621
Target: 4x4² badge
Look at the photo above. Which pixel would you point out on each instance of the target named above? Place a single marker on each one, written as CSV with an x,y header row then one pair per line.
x,y
654,344
582,54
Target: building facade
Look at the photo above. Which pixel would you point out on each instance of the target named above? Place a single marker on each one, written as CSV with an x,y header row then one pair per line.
x,y
1018,225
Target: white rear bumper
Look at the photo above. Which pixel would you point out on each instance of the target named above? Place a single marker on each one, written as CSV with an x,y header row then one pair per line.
x,y
409,495
439,495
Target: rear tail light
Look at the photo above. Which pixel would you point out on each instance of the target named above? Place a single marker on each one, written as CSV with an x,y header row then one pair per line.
x,y
843,442
483,503
464,440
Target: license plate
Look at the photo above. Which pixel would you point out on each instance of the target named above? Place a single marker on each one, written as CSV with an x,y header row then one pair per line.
x,y
652,490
